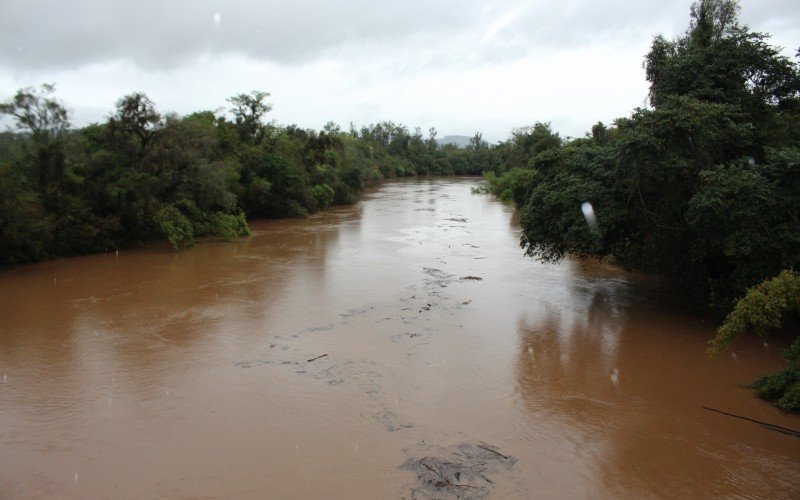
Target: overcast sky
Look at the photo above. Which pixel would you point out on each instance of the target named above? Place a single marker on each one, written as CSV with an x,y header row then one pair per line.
x,y
460,66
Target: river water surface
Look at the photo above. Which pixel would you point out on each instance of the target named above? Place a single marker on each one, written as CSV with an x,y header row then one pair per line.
x,y
447,363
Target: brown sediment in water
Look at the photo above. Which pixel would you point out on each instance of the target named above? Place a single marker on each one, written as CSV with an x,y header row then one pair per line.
x,y
338,356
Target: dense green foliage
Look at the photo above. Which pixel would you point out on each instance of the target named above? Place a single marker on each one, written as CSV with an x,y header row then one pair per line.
x,y
763,310
141,176
702,187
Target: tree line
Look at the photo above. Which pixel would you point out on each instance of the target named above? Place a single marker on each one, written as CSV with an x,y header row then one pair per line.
x,y
142,175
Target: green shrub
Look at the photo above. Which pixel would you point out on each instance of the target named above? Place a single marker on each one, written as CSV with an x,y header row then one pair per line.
x,y
761,310
783,388
231,226
175,226
769,307
323,194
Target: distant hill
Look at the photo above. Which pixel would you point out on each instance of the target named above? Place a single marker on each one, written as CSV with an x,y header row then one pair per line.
x,y
460,141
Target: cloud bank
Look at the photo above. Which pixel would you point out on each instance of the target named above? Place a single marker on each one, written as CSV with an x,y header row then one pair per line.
x,y
460,66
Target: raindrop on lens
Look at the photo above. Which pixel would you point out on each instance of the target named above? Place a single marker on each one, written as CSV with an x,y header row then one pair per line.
x,y
588,214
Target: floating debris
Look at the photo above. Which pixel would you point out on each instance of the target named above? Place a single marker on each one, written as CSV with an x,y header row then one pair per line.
x,y
460,472
437,277
436,273
353,312
324,328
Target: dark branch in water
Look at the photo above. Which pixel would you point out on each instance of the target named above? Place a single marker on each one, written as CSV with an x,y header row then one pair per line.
x,y
318,357
504,457
772,427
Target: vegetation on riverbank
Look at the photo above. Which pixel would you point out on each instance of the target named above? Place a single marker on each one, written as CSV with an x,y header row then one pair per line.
x,y
702,186
144,176
772,306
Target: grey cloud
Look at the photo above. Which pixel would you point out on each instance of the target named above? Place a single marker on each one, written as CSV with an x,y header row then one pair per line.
x,y
546,25
156,34
576,24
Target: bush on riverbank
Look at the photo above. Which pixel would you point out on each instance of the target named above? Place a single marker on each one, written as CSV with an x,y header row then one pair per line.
x,y
769,308
783,388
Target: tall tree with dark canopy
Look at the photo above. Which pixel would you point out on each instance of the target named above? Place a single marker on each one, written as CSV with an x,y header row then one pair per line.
x,y
703,187
248,111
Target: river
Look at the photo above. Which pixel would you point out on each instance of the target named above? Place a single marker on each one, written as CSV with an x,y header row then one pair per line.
x,y
402,347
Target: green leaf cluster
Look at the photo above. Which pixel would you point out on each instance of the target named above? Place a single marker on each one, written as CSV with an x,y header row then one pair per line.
x,y
763,310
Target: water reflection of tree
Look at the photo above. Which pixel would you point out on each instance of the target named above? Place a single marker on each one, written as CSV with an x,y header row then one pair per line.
x,y
568,350
644,432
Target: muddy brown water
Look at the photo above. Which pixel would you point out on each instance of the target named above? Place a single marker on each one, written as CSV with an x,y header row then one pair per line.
x,y
447,364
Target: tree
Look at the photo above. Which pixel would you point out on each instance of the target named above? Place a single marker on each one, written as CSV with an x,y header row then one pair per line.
x,y
720,61
476,142
702,187
713,19
744,223
528,142
136,116
47,122
431,141
332,128
38,113
248,111
552,219
24,233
